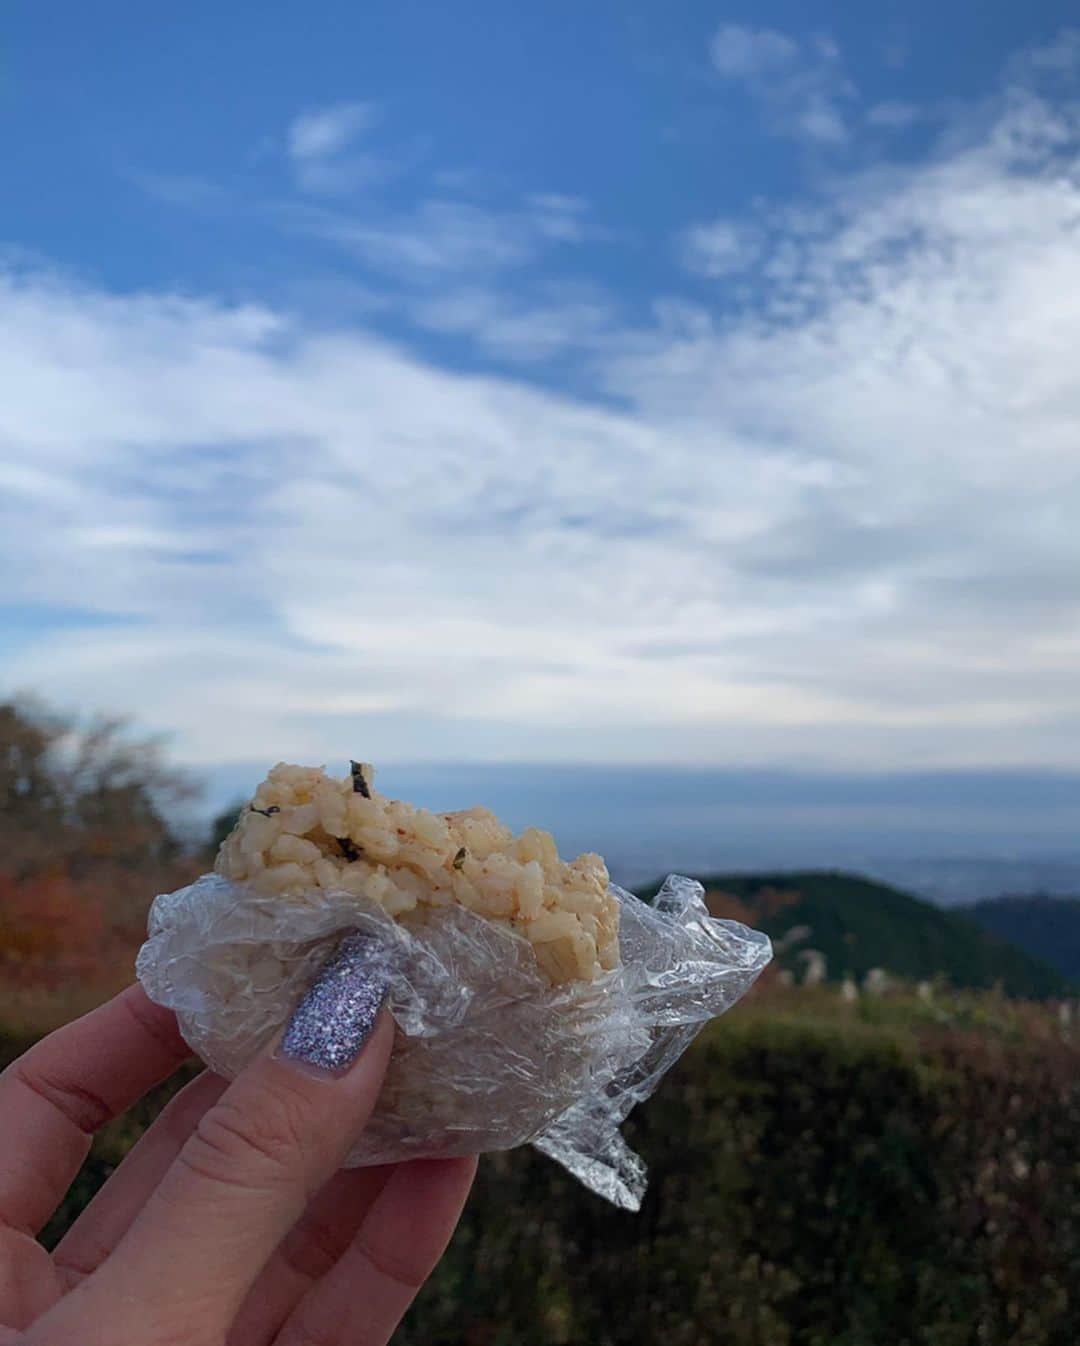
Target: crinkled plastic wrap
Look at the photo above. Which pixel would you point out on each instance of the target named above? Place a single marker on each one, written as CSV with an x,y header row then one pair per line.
x,y
488,1055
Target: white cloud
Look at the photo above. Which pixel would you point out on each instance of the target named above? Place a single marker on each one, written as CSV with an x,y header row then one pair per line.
x,y
1059,56
295,520
517,330
801,87
919,360
840,532
719,248
439,238
322,132
560,218
319,146
436,238
739,52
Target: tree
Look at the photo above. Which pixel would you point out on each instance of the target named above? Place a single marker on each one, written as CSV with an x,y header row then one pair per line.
x,y
79,798
31,799
223,824
90,831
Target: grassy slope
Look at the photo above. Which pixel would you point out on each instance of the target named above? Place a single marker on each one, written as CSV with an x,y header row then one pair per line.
x,y
860,924
1046,927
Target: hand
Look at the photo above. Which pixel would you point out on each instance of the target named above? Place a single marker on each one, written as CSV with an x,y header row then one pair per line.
x,y
229,1221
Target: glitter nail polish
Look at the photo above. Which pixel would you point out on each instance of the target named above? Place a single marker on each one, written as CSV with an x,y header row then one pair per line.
x,y
338,1012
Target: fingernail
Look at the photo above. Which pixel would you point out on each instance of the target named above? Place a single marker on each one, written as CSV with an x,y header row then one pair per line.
x,y
337,1014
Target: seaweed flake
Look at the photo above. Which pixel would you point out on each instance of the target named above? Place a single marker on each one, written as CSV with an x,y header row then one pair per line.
x,y
459,859
349,849
266,812
359,784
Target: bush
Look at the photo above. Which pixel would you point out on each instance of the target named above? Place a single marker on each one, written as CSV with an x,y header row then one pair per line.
x,y
811,1186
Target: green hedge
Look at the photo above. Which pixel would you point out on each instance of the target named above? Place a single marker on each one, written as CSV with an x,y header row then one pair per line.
x,y
812,1184
817,1188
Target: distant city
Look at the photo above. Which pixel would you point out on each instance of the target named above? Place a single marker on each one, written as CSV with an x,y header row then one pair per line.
x,y
951,836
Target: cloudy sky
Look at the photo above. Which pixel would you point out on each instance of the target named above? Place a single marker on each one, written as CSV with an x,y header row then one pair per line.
x,y
676,383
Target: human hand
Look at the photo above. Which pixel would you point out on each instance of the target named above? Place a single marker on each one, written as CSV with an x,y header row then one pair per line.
x,y
229,1221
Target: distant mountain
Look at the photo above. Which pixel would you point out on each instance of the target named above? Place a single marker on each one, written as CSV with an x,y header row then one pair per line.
x,y
957,881
1048,927
859,924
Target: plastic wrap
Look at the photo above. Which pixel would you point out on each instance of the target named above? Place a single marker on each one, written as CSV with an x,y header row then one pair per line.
x,y
488,1054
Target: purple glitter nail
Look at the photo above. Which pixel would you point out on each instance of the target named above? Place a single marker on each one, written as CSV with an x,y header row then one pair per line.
x,y
337,1014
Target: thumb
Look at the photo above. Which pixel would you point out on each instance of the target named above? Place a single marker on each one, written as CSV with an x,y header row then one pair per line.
x,y
259,1154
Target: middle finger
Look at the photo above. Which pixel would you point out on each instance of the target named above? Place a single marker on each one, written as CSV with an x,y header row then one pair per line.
x,y
307,1252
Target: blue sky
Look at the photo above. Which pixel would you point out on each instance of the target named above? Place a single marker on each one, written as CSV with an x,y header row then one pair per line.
x,y
681,383
120,116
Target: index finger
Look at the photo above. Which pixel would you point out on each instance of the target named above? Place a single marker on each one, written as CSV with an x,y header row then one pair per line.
x,y
55,1096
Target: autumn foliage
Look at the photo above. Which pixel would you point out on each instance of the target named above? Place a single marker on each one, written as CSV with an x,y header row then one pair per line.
x,y
87,837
